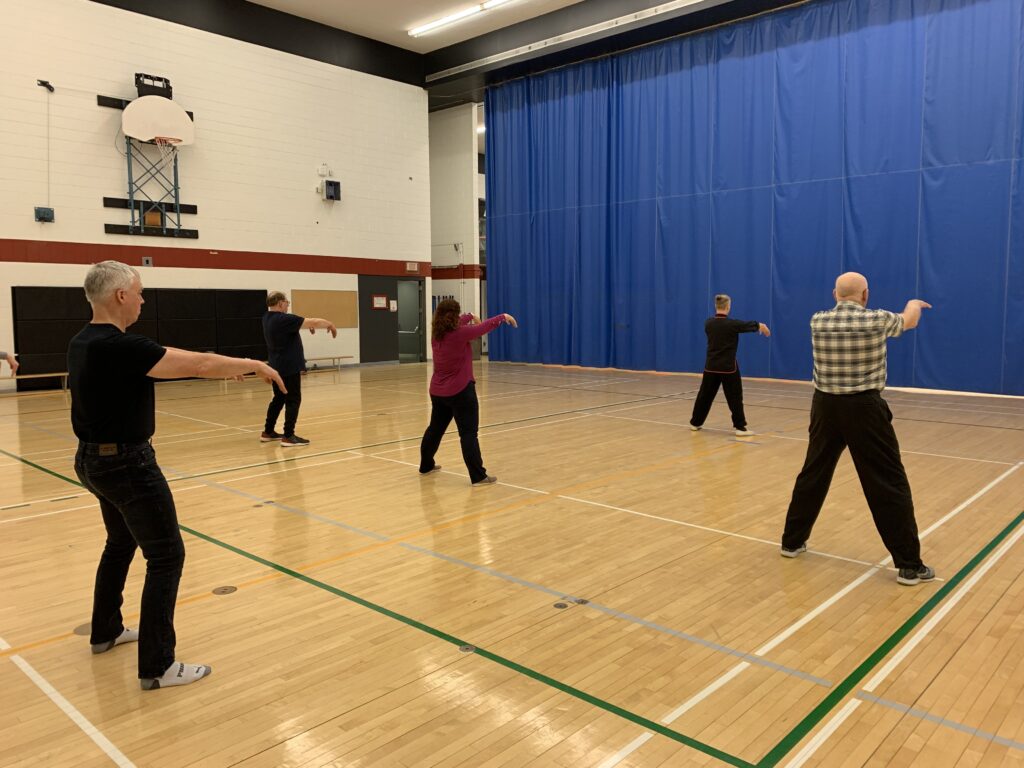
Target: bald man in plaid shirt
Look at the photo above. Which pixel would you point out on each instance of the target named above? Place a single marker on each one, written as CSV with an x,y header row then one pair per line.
x,y
848,412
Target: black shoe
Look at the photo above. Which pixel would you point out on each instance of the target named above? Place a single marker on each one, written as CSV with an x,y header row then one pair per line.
x,y
269,437
432,470
293,441
792,552
488,480
911,576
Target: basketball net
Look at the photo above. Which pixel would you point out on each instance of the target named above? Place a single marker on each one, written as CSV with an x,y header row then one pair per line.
x,y
168,147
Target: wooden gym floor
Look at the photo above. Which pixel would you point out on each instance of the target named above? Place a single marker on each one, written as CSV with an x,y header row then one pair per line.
x,y
617,599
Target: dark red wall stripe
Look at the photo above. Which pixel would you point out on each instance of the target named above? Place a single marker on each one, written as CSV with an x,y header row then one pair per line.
x,y
461,272
49,252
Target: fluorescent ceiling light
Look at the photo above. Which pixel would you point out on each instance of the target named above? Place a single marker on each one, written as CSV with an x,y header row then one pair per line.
x,y
455,17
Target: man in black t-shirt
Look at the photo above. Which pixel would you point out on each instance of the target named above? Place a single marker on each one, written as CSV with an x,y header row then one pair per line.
x,y
721,368
110,375
281,330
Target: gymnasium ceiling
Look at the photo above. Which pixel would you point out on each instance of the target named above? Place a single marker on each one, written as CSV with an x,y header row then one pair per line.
x,y
389,20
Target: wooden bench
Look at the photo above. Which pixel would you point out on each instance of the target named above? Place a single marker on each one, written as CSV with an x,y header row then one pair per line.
x,y
335,361
63,376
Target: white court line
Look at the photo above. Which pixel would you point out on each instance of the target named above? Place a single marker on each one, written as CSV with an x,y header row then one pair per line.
x,y
609,415
840,717
910,453
902,402
202,421
807,618
40,501
47,514
719,531
447,472
90,730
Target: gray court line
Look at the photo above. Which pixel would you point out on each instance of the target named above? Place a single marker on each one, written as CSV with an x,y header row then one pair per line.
x,y
925,715
530,585
614,613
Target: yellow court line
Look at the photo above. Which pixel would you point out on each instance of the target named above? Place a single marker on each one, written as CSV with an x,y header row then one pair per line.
x,y
522,503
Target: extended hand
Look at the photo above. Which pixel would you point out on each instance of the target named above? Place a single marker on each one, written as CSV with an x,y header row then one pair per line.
x,y
270,376
334,331
763,329
13,363
511,320
921,303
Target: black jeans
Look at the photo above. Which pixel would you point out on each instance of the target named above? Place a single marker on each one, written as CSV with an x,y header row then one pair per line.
x,y
861,422
290,402
138,511
733,386
465,409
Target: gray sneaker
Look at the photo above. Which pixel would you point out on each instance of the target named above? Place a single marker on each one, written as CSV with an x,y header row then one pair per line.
x,y
792,552
908,577
488,480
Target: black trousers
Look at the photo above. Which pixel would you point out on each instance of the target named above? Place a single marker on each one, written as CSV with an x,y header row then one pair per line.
x,y
465,409
290,402
861,422
138,511
733,386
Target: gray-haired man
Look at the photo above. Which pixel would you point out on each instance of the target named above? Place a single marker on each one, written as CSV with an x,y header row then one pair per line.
x,y
110,375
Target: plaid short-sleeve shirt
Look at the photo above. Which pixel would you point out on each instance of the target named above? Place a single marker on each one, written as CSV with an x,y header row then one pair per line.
x,y
849,347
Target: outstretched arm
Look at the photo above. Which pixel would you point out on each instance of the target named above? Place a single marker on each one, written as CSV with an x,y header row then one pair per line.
x,y
912,313
312,323
180,363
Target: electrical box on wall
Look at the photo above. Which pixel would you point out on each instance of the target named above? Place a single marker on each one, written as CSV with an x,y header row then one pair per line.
x,y
331,189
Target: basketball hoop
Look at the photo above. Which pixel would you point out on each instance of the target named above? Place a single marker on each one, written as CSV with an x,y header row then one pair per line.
x,y
168,146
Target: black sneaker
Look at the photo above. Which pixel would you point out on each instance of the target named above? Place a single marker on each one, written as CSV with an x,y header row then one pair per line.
x,y
293,441
792,552
911,576
269,437
432,470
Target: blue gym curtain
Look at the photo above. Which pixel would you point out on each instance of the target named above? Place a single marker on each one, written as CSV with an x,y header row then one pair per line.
x,y
762,159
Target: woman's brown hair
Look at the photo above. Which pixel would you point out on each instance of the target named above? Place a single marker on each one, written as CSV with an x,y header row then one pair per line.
x,y
446,318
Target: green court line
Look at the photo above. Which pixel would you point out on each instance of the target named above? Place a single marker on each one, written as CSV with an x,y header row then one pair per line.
x,y
650,725
41,468
774,756
830,702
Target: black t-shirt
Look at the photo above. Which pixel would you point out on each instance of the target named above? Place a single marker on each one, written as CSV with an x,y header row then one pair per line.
x,y
281,330
111,395
723,339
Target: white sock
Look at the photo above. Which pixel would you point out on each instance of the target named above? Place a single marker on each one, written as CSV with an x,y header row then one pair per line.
x,y
128,635
178,673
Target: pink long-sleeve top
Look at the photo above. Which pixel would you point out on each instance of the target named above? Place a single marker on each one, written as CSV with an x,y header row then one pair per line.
x,y
453,356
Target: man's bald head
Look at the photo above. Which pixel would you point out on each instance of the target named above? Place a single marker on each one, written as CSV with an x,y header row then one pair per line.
x,y
851,286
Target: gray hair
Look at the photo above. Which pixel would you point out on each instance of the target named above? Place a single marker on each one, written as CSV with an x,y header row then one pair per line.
x,y
722,301
105,278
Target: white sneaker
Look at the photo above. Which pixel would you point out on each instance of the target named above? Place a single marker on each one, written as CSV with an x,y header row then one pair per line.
x,y
695,429
744,433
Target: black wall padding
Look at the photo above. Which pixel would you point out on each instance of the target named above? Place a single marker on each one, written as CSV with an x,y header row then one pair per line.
x,y
50,304
187,304
239,304
196,335
204,320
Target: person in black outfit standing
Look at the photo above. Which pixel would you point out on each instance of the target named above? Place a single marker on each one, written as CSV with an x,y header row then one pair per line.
x,y
281,330
720,367
110,375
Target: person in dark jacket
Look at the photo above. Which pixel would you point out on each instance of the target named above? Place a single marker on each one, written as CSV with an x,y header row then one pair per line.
x,y
453,389
721,368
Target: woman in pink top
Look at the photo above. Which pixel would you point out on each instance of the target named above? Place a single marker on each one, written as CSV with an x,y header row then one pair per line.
x,y
452,388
